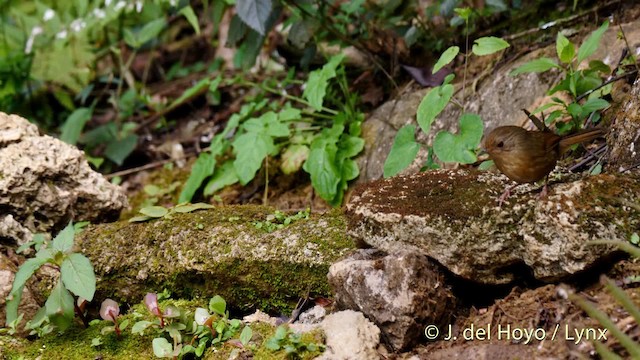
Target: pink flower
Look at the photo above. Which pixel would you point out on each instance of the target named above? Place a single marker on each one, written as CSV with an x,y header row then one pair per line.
x,y
109,310
151,301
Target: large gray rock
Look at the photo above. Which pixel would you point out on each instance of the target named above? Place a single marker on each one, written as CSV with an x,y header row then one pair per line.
x,y
452,217
45,182
401,293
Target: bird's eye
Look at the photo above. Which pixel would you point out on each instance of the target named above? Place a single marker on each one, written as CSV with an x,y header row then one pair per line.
x,y
500,144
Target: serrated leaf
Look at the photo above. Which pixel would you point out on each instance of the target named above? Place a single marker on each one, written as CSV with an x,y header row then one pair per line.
x,y
254,13
201,169
74,124
154,211
250,149
590,45
460,147
488,45
318,81
446,57
403,151
535,66
76,273
432,105
64,240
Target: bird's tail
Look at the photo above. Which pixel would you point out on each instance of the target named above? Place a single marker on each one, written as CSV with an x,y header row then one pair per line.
x,y
580,137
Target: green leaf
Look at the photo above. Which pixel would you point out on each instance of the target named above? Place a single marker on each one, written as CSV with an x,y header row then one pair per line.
x,y
76,273
320,164
59,307
187,208
254,13
151,30
574,110
25,271
246,335
460,147
162,348
154,211
140,218
565,49
599,66
543,107
218,305
194,90
119,150
191,17
536,66
432,105
403,151
223,176
202,168
488,45
64,240
74,124
446,57
590,45
140,326
594,105
250,149
318,81
486,165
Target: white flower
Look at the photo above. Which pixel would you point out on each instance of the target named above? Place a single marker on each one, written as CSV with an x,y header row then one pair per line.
x,y
62,34
120,5
99,13
48,15
138,6
37,30
107,3
173,2
77,25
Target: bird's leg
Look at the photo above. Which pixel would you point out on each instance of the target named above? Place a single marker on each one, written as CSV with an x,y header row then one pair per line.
x,y
545,188
505,194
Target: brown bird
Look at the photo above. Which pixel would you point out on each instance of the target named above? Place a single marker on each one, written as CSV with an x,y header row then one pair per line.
x,y
528,156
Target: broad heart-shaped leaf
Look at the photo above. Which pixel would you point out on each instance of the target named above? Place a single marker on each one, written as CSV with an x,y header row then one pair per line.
x,y
162,348
74,124
64,240
59,307
565,49
201,169
250,148
224,175
23,274
446,57
432,105
118,150
218,305
254,13
318,81
488,45
459,147
536,66
590,45
76,273
403,151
